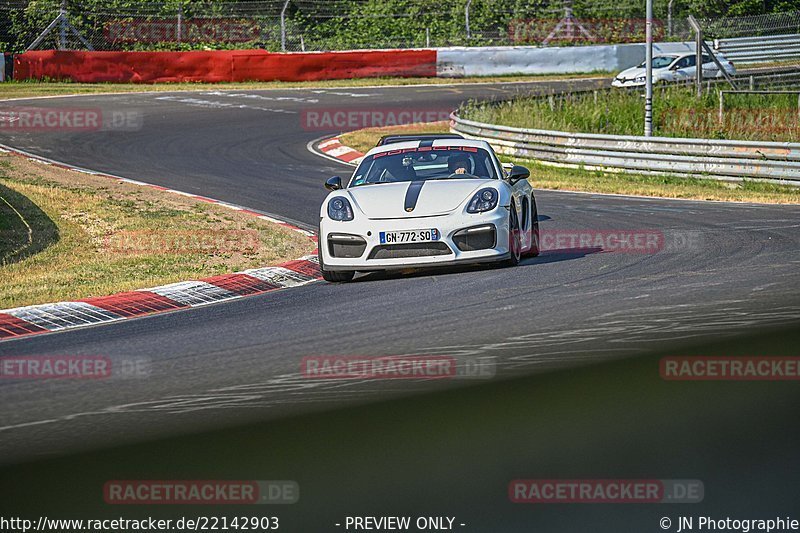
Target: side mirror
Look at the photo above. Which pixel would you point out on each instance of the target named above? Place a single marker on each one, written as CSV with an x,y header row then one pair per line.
x,y
518,173
334,183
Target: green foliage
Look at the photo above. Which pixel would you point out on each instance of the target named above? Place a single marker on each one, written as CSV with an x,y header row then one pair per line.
x,y
354,24
739,8
677,113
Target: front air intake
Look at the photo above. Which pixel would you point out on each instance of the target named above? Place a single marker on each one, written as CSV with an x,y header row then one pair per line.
x,y
477,238
346,246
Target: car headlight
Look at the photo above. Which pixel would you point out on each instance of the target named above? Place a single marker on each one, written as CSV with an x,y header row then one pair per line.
x,y
484,200
339,209
640,79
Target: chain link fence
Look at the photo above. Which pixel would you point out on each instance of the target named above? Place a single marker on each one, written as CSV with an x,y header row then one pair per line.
x,y
753,26
310,25
765,49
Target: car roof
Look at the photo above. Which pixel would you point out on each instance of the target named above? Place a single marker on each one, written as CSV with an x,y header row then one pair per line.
x,y
435,143
391,139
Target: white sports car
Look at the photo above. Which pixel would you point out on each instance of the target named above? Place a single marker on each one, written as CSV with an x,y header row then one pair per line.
x,y
673,68
423,201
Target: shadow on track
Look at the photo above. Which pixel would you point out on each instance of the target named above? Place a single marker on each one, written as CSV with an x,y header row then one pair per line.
x,y
550,256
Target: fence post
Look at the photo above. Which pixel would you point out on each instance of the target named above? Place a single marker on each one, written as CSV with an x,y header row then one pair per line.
x,y
62,28
698,41
178,28
669,18
283,25
648,81
721,106
62,21
466,19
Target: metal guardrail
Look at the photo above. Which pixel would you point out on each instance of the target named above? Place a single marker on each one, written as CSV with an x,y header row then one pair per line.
x,y
721,159
767,48
773,79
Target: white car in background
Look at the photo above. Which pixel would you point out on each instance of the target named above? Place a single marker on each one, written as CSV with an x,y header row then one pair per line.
x,y
673,67
425,201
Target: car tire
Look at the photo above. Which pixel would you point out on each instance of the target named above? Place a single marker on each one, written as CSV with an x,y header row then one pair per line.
x,y
534,251
334,277
514,242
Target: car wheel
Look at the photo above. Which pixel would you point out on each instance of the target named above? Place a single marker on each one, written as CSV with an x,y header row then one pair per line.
x,y
514,242
534,251
334,277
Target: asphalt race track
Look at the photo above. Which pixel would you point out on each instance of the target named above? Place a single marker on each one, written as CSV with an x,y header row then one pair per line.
x,y
724,270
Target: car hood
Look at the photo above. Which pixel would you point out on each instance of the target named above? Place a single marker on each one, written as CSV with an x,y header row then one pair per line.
x,y
435,197
633,72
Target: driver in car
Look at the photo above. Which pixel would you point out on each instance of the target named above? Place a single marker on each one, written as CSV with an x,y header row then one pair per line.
x,y
458,164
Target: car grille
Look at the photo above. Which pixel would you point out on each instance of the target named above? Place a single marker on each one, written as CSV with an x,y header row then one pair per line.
x,y
398,251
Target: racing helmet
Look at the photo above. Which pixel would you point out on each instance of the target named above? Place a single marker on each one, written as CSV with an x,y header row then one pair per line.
x,y
459,160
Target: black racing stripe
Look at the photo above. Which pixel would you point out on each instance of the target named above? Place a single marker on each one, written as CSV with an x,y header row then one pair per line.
x,y
412,194
426,144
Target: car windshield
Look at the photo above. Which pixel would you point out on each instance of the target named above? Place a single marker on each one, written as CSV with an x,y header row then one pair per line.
x,y
660,62
425,163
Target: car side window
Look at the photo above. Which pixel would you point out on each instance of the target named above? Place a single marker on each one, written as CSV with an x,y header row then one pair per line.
x,y
684,62
487,163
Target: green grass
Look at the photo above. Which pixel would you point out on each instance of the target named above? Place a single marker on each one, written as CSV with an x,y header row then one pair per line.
x,y
26,89
92,236
677,113
580,179
24,228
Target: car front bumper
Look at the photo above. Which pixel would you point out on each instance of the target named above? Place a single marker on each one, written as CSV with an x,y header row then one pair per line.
x,y
620,83
445,251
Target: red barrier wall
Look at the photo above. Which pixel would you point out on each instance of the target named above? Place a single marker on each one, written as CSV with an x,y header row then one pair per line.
x,y
222,65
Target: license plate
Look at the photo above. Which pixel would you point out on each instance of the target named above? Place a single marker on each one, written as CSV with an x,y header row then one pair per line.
x,y
400,237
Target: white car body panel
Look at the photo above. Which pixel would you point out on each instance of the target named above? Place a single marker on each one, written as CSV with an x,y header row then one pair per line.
x,y
441,205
